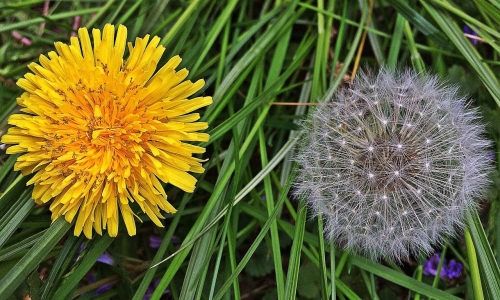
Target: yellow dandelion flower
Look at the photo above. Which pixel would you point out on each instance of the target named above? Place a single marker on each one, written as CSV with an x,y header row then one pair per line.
x,y
100,132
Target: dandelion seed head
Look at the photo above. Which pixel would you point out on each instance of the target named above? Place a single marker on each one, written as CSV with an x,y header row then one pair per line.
x,y
407,168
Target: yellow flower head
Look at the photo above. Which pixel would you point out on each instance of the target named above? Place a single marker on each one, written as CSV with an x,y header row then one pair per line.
x,y
98,131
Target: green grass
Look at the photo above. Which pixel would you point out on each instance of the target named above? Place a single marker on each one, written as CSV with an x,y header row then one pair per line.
x,y
252,55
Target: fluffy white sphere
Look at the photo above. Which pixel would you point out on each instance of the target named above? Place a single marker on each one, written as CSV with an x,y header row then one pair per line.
x,y
392,163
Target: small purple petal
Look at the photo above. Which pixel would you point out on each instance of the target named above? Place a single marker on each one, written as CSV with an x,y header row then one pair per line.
x,y
469,31
103,289
175,240
106,258
91,278
430,266
155,241
149,293
453,269
152,288
156,282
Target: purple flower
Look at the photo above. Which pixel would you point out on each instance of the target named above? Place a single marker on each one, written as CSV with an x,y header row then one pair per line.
x,y
175,240
431,265
103,288
155,241
449,270
106,258
152,288
454,269
470,34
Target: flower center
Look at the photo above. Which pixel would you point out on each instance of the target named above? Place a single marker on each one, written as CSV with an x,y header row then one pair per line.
x,y
387,163
114,136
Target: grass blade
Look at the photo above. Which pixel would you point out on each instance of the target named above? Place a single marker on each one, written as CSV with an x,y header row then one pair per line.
x,y
36,254
463,45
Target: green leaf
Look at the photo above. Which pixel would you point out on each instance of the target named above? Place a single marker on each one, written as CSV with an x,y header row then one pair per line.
x,y
473,266
89,255
62,262
468,84
36,254
19,209
309,283
294,263
34,283
256,242
488,265
52,19
420,23
463,45
13,250
12,193
401,279
7,166
261,262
